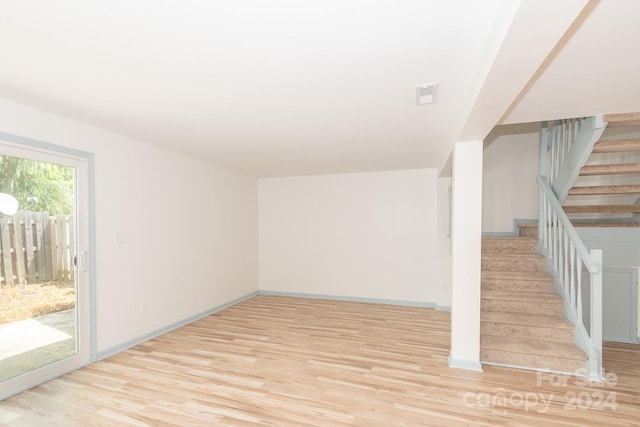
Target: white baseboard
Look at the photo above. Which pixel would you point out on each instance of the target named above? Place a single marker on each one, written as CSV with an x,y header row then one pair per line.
x,y
469,365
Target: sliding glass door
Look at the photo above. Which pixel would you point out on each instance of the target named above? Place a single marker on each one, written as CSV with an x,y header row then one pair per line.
x,y
44,280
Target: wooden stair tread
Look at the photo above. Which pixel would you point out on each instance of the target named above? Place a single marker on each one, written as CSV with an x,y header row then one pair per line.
x,y
512,262
515,257
510,245
607,224
497,274
616,146
510,238
604,189
623,119
610,169
533,347
533,297
601,208
528,225
526,319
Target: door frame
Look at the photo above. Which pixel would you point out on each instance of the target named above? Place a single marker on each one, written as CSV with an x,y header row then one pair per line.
x,y
85,203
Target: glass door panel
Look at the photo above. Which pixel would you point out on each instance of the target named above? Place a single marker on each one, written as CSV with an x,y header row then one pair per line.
x,y
43,307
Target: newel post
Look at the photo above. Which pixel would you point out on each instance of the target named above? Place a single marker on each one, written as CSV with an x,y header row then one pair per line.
x,y
596,306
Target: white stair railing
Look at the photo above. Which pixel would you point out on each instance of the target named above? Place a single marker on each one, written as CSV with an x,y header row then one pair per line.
x,y
565,146
568,258
569,143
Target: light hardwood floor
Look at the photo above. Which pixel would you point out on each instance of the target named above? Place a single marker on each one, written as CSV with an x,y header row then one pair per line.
x,y
294,361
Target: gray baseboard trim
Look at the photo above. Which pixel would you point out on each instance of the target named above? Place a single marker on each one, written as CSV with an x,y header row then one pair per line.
x,y
443,308
153,334
350,299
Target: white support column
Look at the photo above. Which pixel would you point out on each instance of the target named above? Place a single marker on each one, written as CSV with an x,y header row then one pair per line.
x,y
443,266
466,256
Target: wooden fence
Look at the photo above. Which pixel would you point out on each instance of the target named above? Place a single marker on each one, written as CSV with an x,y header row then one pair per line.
x,y
36,247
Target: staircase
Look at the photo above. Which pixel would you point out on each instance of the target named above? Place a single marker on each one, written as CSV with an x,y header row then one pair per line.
x,y
608,186
597,180
521,322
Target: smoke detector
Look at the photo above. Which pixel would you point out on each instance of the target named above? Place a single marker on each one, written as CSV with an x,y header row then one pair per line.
x,y
426,94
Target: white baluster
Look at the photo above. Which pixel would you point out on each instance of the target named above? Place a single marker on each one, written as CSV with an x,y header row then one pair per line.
x,y
561,264
572,285
556,246
578,305
566,262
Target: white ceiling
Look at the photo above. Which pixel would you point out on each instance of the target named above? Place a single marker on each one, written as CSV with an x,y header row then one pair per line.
x,y
594,70
276,88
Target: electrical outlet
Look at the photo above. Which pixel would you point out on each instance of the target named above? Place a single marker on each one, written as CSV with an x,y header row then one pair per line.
x,y
144,308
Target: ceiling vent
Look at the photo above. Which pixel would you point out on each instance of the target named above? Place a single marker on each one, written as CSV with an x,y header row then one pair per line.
x,y
426,94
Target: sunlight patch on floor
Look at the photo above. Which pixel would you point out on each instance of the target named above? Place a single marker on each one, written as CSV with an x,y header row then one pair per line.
x,y
25,335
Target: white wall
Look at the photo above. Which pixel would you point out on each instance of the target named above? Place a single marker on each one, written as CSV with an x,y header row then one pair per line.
x,y
367,235
191,227
510,167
